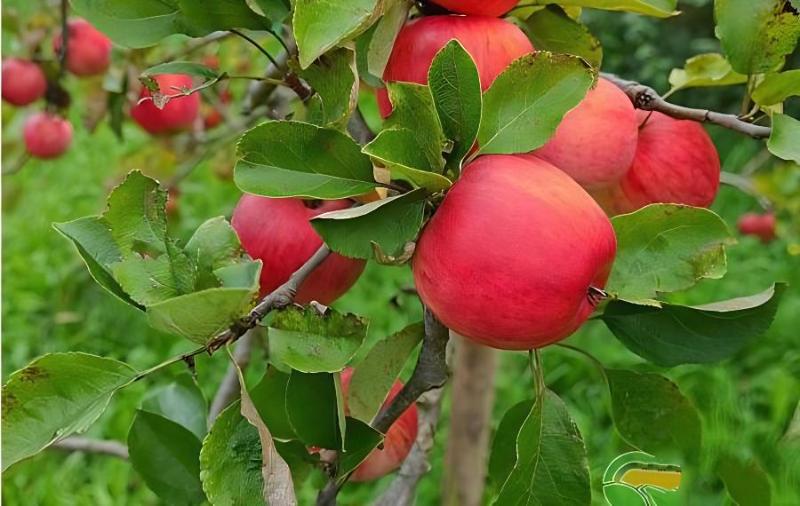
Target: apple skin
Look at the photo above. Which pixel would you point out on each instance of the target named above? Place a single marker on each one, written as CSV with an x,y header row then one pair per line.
x,y
596,141
88,50
398,442
508,258
23,82
492,8
278,232
759,225
675,162
179,113
493,44
46,135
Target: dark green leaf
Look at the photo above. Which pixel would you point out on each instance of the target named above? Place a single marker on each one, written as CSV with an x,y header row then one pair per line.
x,y
785,139
747,483
399,151
334,79
269,397
54,396
182,402
181,67
275,10
389,222
360,440
672,334
551,29
167,456
504,447
314,409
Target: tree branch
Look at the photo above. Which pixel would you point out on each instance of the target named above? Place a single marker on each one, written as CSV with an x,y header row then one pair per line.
x,y
88,445
358,129
647,99
228,390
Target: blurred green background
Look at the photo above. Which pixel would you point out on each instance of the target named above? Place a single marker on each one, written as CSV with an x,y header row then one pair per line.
x,y
50,303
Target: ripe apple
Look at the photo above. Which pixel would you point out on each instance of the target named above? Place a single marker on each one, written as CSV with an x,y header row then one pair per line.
x,y
46,135
88,50
398,442
178,114
759,225
278,232
512,257
23,81
493,44
675,162
596,141
492,8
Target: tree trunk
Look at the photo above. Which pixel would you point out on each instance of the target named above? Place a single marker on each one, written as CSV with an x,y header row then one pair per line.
x,y
467,449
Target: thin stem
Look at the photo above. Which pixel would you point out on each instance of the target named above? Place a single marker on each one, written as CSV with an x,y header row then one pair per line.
x,y
179,358
276,82
255,44
541,386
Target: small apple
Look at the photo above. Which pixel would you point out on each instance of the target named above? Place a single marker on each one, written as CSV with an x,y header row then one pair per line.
x,y
515,255
46,135
493,44
596,141
23,81
178,114
492,8
675,162
278,232
759,225
398,441
88,49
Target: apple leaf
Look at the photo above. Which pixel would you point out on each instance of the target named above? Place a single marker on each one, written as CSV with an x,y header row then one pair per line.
x,y
275,10
709,69
652,414
784,142
269,398
775,88
665,248
657,8
390,223
525,104
398,150
311,342
504,447
335,81
182,67
360,440
747,483
181,401
315,409
386,30
55,396
671,334
551,29
294,159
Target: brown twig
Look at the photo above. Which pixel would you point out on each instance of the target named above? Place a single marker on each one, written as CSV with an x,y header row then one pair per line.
x,y
89,445
647,99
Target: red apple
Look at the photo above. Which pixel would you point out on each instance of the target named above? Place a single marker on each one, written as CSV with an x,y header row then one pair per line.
x,y
88,49
675,162
23,81
398,441
493,44
492,8
178,114
278,232
512,256
596,141
46,135
759,225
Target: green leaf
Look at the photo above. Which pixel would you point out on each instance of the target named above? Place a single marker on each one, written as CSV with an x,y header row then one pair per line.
x,y
374,376
756,35
314,410
275,10
672,334
213,245
386,30
456,91
360,440
167,456
230,461
709,69
389,222
182,67
784,142
55,396
202,18
665,248
293,159
525,104
269,397
399,151
182,402
413,110
335,81
504,447
657,8
775,88
551,29
652,414
551,465
308,341
747,483
321,25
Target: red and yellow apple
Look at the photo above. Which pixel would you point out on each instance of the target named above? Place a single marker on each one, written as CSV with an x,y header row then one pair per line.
x,y
493,44
759,225
278,232
492,8
512,256
46,135
178,114
23,82
596,141
88,49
